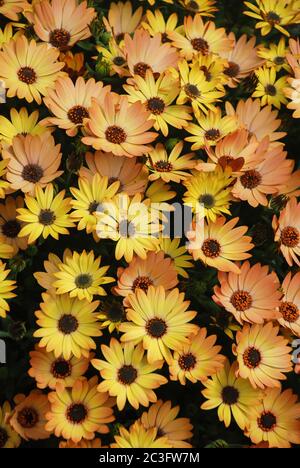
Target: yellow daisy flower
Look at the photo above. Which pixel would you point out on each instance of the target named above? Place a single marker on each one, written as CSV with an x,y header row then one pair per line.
x,y
179,254
12,8
139,437
20,123
67,326
80,275
79,412
10,226
127,375
268,89
275,55
115,57
158,96
209,193
47,278
88,200
4,185
112,314
156,24
203,7
160,320
6,288
7,33
233,396
8,437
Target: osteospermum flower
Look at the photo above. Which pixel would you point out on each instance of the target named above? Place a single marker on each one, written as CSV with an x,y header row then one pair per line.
x,y
114,57
289,308
121,19
80,275
88,199
62,23
255,184
10,226
202,7
67,326
275,419
12,8
163,417
4,185
170,167
251,296
29,69
70,103
220,244
46,215
129,222
8,437
112,314
148,53
20,123
32,160
47,278
242,59
233,396
287,231
28,417
119,127
156,24
158,96
210,129
179,254
129,172
160,320
199,37
6,288
273,14
263,355
198,360
139,437
74,64
79,412
292,92
208,193
260,121
275,55
268,89
196,88
48,370
7,33
127,375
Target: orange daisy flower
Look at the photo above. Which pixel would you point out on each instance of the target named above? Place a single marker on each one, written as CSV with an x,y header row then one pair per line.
x,y
289,308
220,244
119,127
263,355
287,231
33,159
10,226
62,23
12,8
251,296
121,19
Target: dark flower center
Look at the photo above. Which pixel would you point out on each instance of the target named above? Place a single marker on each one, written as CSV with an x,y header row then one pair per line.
x,y
192,5
32,173
156,105
142,282
60,38
279,60
127,374
61,368
76,413
232,70
211,248
290,236
156,327
28,418
187,361
272,17
47,217
115,313
77,114
206,72
250,179
164,38
163,166
213,134
267,421
126,229
68,324
27,75
93,207
83,281
120,37
119,61
3,434
252,357
200,45
241,300
116,135
230,395
289,311
11,228
141,69
207,200
192,91
270,90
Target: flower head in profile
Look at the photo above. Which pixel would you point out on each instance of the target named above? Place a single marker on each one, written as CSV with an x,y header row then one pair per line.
x,y
127,375
119,127
29,69
6,290
178,253
8,437
10,226
4,184
292,92
45,214
170,167
287,231
79,412
155,23
12,8
121,19
32,160
140,437
202,7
